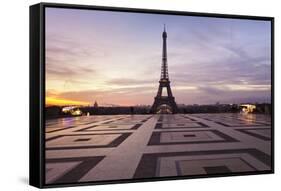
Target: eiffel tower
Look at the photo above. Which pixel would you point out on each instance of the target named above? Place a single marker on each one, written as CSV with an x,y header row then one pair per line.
x,y
164,104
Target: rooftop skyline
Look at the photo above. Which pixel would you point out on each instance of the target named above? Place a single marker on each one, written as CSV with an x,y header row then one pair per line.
x,y
115,58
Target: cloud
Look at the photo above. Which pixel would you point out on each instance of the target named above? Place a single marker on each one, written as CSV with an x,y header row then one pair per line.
x,y
238,67
69,72
130,81
66,58
210,90
58,45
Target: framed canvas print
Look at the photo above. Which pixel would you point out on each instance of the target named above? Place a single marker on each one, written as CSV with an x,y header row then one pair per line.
x,y
127,95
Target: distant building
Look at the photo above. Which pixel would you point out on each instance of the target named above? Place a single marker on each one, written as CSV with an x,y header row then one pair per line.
x,y
96,104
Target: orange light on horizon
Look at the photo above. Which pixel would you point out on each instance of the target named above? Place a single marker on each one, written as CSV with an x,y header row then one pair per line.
x,y
62,102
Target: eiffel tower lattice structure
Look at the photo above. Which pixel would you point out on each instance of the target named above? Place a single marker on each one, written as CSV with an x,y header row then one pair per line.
x,y
164,104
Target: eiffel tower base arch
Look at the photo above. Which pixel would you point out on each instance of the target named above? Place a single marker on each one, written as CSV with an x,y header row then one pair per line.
x,y
164,100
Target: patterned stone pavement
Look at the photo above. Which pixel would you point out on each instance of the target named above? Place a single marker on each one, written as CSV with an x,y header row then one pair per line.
x,y
114,147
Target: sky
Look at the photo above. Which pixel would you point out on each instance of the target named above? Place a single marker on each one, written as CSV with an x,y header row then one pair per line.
x,y
114,58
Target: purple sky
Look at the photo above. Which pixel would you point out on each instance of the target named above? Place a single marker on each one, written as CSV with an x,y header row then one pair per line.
x,y
115,57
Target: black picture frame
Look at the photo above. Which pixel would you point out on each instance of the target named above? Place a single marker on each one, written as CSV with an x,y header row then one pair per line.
x,y
37,91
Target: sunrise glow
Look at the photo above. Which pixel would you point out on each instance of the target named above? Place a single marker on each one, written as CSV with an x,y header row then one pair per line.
x,y
62,102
